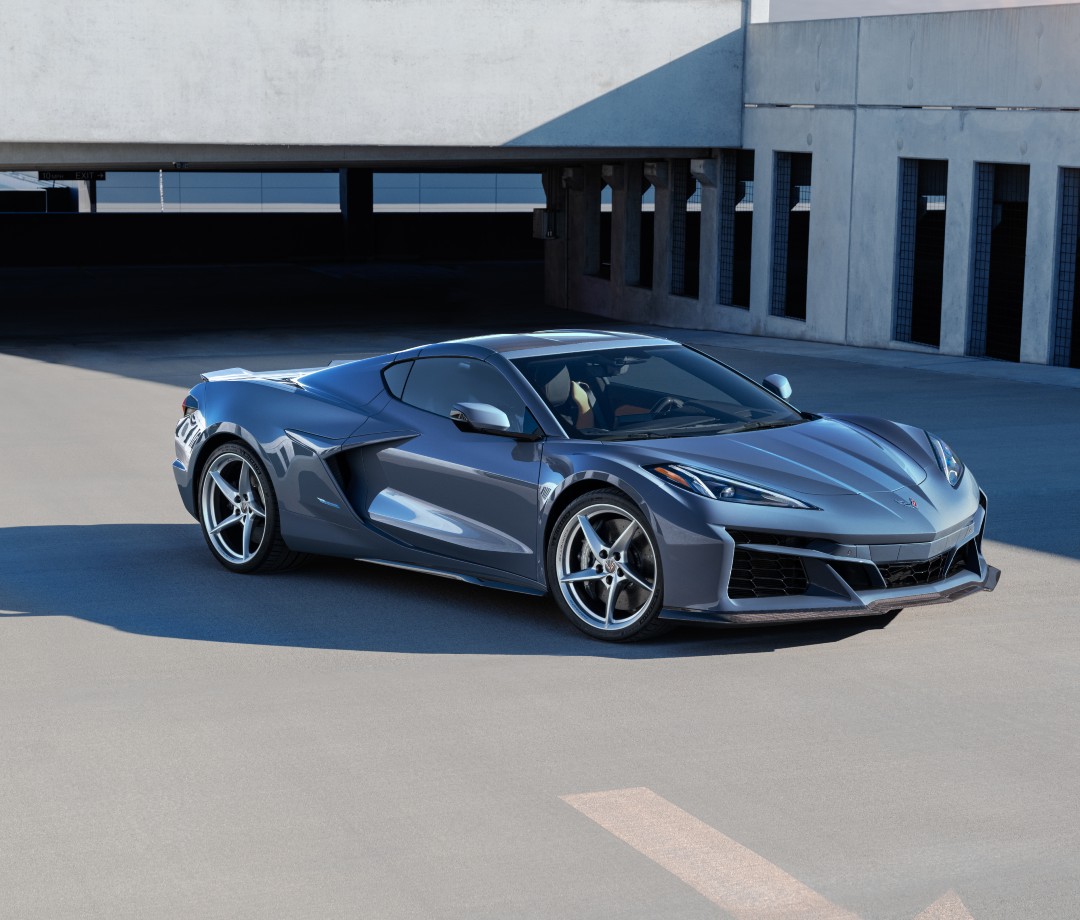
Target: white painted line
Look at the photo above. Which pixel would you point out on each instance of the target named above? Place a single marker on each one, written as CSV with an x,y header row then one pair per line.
x,y
735,878
731,876
947,907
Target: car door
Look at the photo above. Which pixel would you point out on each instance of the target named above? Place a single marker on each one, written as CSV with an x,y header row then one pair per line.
x,y
462,494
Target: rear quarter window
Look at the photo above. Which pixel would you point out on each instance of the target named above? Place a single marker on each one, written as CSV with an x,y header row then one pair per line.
x,y
395,376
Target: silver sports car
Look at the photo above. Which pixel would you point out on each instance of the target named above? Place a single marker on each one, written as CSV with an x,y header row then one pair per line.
x,y
638,480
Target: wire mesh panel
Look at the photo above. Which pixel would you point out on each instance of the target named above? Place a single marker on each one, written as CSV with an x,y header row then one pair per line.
x,y
905,249
744,228
725,228
679,191
781,223
685,230
1066,350
734,227
798,242
984,217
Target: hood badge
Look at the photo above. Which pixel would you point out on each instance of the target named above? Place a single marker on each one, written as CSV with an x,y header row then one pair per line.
x,y
907,501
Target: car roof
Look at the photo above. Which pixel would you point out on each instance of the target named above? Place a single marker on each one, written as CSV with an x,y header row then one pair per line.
x,y
548,341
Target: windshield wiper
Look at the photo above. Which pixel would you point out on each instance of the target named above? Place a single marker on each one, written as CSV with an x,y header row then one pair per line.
x,y
775,423
635,436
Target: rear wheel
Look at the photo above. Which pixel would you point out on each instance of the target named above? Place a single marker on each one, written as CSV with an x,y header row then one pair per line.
x,y
238,513
603,568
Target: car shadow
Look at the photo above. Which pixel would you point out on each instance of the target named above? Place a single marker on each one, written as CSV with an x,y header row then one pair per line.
x,y
159,580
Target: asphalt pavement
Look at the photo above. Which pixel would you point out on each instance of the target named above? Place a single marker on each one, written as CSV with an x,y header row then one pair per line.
x,y
352,741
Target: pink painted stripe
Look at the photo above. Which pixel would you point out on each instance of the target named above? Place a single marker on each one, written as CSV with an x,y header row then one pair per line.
x,y
733,877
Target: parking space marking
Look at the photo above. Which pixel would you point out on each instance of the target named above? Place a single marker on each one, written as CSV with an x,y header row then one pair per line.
x,y
733,877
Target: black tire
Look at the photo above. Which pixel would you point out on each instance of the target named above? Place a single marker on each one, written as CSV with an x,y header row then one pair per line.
x,y
612,556
243,528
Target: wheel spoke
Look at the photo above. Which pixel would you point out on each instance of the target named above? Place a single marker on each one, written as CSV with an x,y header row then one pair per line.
x,y
245,545
227,490
619,546
228,522
612,598
591,536
635,578
583,575
244,485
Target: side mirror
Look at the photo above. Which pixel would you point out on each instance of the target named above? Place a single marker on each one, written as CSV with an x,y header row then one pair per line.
x,y
480,417
778,384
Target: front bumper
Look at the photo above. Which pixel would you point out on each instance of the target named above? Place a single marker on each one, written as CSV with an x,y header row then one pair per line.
x,y
771,578
871,604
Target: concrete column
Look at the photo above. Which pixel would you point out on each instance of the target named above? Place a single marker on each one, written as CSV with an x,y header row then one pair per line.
x,y
630,218
956,283
593,185
1040,283
761,246
707,173
358,212
555,250
614,177
659,174
87,196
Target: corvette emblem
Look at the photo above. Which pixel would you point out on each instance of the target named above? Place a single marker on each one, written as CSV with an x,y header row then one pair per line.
x,y
907,501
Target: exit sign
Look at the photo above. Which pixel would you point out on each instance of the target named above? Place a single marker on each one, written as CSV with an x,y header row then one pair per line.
x,y
70,175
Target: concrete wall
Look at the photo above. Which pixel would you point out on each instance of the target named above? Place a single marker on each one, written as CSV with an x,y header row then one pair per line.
x,y
371,73
997,86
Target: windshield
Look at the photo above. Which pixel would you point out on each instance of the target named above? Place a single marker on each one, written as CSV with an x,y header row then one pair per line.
x,y
655,391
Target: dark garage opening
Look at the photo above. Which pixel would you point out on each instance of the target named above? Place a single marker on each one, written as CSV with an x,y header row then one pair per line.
x,y
1000,258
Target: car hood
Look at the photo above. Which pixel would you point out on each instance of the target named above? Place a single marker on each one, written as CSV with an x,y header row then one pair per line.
x,y
826,456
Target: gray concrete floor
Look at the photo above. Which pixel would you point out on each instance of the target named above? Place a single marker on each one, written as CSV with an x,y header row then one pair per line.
x,y
349,741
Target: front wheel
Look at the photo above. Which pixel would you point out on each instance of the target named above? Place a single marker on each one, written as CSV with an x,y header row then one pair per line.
x,y
604,570
238,512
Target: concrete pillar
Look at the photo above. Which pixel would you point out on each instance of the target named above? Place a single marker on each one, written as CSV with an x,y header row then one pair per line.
x,y
707,172
956,283
614,177
87,196
555,250
590,230
659,174
762,243
631,219
1040,284
357,212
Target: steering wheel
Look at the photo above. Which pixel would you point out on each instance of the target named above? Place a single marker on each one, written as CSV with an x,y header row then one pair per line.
x,y
665,404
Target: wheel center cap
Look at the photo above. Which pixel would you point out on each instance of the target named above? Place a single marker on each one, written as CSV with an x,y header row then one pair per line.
x,y
610,566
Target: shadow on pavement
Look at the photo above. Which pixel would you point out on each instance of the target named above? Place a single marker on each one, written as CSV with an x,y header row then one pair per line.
x,y
159,580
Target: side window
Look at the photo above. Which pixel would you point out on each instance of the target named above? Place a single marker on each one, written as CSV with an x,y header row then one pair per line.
x,y
395,376
436,384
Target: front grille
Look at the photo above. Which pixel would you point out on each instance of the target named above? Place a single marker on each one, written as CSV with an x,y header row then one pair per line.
x,y
912,574
755,574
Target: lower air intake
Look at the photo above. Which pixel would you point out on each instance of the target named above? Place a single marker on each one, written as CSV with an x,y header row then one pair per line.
x,y
755,574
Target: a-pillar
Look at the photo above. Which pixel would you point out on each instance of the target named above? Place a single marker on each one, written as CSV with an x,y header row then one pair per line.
x,y
358,212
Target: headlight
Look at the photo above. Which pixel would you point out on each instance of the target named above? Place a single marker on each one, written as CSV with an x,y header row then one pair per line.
x,y
951,465
723,488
